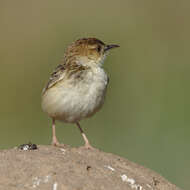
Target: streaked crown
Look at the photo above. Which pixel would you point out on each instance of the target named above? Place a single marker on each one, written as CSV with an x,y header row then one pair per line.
x,y
87,50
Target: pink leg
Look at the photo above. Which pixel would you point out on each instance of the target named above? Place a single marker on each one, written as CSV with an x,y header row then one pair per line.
x,y
54,138
87,144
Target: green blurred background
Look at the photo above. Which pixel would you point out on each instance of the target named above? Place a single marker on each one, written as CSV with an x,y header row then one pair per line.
x,y
146,114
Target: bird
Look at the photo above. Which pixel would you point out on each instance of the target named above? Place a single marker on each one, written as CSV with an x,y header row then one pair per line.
x,y
77,87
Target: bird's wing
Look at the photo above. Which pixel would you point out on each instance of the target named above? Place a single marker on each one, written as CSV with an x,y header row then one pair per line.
x,y
55,77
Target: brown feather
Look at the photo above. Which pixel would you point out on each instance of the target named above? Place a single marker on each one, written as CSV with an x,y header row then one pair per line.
x,y
70,66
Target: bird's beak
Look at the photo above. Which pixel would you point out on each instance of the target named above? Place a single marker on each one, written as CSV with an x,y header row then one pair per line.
x,y
108,47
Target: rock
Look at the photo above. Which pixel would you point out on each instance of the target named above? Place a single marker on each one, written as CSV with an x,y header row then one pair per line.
x,y
53,168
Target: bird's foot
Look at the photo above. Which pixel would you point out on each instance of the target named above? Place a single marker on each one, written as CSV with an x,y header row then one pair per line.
x,y
88,146
56,143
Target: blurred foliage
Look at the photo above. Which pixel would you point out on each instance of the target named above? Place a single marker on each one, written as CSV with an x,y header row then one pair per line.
x,y
146,114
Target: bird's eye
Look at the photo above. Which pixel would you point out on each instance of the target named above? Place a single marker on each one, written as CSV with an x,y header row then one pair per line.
x,y
99,48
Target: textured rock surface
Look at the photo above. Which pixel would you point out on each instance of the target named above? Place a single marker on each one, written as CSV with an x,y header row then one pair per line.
x,y
51,168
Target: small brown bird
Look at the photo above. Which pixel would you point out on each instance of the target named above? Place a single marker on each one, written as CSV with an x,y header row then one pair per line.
x,y
76,89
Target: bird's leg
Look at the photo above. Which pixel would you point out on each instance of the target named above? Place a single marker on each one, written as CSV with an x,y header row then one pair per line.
x,y
54,138
87,144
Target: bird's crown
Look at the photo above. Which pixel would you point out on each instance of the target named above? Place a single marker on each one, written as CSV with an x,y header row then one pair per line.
x,y
87,50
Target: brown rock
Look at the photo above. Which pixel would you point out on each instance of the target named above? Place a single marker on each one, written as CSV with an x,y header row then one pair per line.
x,y
52,168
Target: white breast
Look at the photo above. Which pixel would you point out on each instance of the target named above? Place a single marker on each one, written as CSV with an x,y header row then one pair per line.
x,y
71,103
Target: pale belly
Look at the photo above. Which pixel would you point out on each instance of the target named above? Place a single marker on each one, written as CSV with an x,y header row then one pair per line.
x,y
71,103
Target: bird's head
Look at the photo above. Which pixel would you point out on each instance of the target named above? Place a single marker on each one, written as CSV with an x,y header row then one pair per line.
x,y
87,51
